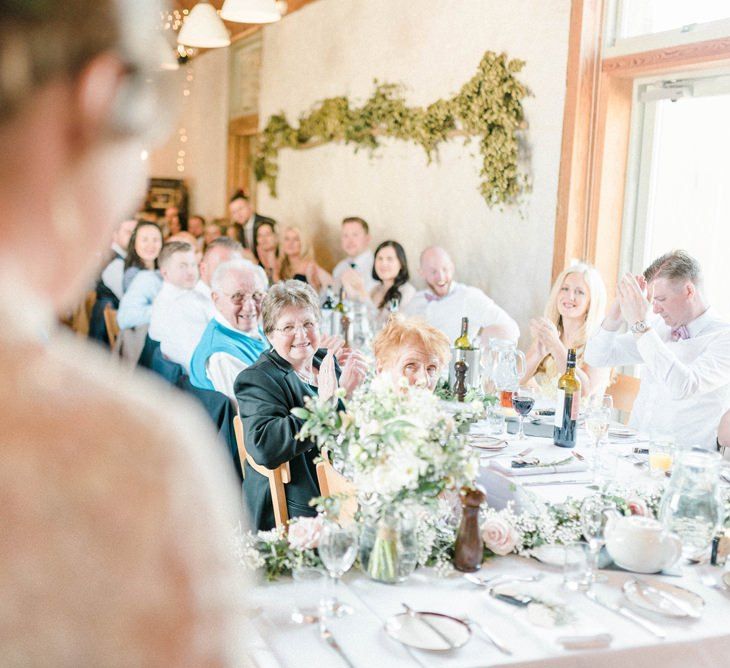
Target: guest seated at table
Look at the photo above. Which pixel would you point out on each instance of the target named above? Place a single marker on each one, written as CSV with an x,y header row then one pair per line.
x,y
171,223
267,249
575,308
144,247
109,285
684,349
212,231
283,376
135,307
196,227
445,302
298,262
233,339
412,349
180,313
354,272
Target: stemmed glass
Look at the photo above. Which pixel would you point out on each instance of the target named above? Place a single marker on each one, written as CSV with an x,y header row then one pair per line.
x,y
597,418
594,514
523,399
337,549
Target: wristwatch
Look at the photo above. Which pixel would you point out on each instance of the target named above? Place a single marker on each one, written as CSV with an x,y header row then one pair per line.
x,y
639,327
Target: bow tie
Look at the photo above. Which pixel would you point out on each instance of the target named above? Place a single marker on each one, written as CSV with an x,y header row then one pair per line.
x,y
680,332
430,297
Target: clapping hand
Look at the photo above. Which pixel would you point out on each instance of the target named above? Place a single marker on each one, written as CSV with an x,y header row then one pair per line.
x,y
354,372
548,336
333,343
327,377
353,284
634,300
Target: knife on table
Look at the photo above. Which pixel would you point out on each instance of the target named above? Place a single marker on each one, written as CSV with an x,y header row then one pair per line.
x,y
628,614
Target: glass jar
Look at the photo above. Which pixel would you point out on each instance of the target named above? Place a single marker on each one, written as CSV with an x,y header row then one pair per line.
x,y
691,506
388,543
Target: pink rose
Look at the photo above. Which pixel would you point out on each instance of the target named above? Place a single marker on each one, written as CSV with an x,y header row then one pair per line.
x,y
499,536
638,507
304,532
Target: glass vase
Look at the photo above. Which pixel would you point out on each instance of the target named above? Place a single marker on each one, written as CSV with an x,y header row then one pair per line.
x,y
388,544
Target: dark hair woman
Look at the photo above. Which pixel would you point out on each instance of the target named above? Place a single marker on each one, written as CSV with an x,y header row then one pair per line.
x,y
145,245
266,249
390,269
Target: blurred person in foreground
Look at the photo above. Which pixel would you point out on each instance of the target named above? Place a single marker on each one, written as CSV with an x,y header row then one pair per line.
x,y
115,518
410,348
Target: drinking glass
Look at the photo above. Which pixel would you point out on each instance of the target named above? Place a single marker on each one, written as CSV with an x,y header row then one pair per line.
x,y
337,549
594,514
575,566
523,399
495,421
661,455
308,593
597,418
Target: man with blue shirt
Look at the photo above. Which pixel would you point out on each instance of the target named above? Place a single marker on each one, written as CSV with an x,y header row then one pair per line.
x,y
233,339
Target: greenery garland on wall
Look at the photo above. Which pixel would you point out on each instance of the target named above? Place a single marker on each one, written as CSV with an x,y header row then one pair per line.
x,y
488,106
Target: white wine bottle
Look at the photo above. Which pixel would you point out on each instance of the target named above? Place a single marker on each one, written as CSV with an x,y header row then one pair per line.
x,y
462,342
567,406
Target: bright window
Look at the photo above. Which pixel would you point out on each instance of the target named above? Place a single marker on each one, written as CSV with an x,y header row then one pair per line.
x,y
644,17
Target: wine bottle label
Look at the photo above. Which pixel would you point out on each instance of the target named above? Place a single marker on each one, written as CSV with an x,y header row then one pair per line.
x,y
559,408
575,406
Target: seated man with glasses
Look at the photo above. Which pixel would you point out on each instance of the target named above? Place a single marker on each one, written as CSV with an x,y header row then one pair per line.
x,y
233,339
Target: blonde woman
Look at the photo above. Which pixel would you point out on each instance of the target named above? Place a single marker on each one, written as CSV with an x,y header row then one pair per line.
x,y
575,309
297,260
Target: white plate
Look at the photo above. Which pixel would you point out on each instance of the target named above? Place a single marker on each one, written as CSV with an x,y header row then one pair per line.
x,y
487,442
622,432
414,631
663,599
552,555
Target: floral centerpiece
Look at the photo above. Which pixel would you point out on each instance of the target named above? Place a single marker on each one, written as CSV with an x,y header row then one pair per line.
x,y
401,451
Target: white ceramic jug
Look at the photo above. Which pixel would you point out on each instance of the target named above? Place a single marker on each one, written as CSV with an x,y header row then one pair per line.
x,y
641,544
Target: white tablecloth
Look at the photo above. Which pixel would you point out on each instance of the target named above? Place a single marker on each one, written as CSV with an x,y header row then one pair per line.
x,y
689,643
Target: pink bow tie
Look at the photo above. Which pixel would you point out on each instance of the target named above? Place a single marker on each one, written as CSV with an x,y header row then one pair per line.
x,y
430,297
680,332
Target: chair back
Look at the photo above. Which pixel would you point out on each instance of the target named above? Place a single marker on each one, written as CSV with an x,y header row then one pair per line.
x,y
112,326
278,477
624,391
333,483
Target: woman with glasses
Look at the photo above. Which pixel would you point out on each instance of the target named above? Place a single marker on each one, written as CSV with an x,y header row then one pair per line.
x,y
294,368
233,338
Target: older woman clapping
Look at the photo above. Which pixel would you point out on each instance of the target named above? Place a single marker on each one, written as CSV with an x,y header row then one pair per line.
x,y
280,380
410,348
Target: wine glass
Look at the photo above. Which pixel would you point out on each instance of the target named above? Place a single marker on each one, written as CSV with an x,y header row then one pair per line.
x,y
337,549
523,399
594,514
596,420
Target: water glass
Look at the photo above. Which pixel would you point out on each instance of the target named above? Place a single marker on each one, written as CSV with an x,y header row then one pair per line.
x,y
309,587
495,421
594,514
576,572
337,549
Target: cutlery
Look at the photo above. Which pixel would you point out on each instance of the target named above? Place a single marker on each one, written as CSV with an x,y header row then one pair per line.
x,y
596,641
578,456
538,483
417,615
677,602
327,636
487,582
525,452
490,636
628,614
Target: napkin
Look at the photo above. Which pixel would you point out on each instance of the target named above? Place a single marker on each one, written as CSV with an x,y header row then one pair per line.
x,y
549,464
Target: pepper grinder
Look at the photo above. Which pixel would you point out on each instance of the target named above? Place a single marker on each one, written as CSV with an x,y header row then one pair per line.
x,y
460,369
469,548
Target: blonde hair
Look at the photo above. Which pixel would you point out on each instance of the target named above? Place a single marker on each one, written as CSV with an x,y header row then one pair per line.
x,y
306,252
400,332
596,301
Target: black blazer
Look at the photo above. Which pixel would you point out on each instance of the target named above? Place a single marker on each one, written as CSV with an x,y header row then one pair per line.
x,y
266,392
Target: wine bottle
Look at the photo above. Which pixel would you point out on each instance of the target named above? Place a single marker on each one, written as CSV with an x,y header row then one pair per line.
x,y
340,306
462,342
329,300
567,406
327,311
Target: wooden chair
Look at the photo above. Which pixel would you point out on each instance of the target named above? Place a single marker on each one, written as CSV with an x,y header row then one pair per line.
x,y
624,391
333,483
278,477
112,326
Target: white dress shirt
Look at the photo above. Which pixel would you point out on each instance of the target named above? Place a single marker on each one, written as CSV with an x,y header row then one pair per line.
x,y
462,301
222,369
685,384
113,273
179,318
362,264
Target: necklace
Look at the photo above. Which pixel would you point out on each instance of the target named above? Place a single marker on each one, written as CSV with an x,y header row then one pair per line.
x,y
307,378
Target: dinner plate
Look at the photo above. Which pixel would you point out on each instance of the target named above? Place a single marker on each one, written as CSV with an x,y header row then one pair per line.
x,y
552,555
487,442
663,599
419,631
622,432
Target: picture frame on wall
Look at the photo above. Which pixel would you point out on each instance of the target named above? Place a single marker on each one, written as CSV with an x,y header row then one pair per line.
x,y
163,193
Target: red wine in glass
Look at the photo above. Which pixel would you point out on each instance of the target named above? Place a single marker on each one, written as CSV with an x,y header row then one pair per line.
x,y
522,401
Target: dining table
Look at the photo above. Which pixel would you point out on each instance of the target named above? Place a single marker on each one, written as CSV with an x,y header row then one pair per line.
x,y
603,638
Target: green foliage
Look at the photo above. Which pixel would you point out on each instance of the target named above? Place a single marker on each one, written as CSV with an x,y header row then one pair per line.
x,y
488,106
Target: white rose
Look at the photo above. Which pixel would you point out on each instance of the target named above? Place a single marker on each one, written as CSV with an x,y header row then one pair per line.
x,y
304,532
499,536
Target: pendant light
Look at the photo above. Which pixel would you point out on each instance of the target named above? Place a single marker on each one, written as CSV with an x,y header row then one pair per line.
x,y
203,28
250,11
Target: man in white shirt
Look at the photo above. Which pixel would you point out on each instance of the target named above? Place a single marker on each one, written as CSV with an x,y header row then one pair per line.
x,y
355,272
220,250
684,350
445,302
180,313
233,339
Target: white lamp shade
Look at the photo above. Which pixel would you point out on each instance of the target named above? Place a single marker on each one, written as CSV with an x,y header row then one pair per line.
x,y
203,28
250,11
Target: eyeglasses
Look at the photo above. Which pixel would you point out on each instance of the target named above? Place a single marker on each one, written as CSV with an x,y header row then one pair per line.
x,y
289,330
239,297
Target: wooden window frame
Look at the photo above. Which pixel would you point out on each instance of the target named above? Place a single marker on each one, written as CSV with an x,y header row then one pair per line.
x,y
596,133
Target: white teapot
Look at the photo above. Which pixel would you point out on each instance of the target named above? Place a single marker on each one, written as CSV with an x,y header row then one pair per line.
x,y
641,544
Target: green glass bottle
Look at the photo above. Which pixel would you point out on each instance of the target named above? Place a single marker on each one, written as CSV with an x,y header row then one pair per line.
x,y
567,406
462,342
